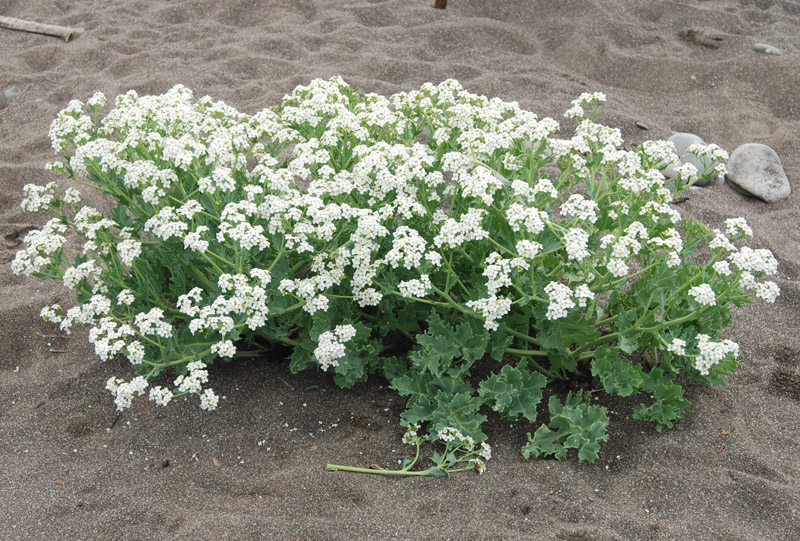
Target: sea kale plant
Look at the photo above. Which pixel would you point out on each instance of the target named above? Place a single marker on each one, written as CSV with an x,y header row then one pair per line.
x,y
457,246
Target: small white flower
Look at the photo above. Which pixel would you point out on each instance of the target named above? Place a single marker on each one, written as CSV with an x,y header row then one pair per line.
x,y
703,294
125,297
769,291
712,353
576,241
677,346
560,300
160,395
722,268
583,294
224,348
208,400
737,227
528,249
617,267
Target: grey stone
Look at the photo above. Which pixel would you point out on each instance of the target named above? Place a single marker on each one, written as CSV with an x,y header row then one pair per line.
x,y
756,169
682,142
10,94
767,49
642,126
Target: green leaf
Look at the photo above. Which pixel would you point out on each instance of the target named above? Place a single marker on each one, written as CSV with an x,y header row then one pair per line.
x,y
459,411
436,471
544,442
351,370
471,342
121,216
514,391
419,410
436,348
412,384
434,354
668,401
574,424
628,334
499,342
618,376
393,367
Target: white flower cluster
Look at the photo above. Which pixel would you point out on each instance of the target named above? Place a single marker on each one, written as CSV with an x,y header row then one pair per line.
x,y
124,391
768,291
711,353
759,261
331,345
128,250
407,249
737,227
498,271
166,224
415,288
38,197
190,383
468,228
576,242
562,299
491,308
710,155
90,221
677,346
245,299
153,323
703,294
528,249
83,271
109,339
70,126
453,435
85,314
455,439
578,109
40,245
531,218
583,209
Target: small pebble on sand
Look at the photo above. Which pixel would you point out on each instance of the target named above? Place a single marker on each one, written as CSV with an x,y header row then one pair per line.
x,y
767,49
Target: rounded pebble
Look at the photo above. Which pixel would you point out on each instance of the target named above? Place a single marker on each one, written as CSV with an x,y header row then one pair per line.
x,y
10,94
642,126
767,49
756,169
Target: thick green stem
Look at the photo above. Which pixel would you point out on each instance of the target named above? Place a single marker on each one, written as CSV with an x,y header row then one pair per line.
x,y
336,467
533,353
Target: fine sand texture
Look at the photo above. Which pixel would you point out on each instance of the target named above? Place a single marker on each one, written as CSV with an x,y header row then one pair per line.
x,y
254,469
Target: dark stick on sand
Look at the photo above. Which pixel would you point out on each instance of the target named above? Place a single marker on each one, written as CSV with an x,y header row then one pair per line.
x,y
440,4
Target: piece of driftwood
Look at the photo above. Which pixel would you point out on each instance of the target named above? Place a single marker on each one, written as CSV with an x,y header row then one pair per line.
x,y
62,32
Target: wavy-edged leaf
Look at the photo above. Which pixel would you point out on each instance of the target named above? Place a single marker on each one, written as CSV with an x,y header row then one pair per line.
x,y
514,391
617,375
573,425
668,401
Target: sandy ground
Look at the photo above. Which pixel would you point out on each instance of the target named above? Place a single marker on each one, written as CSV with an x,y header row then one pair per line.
x,y
255,469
